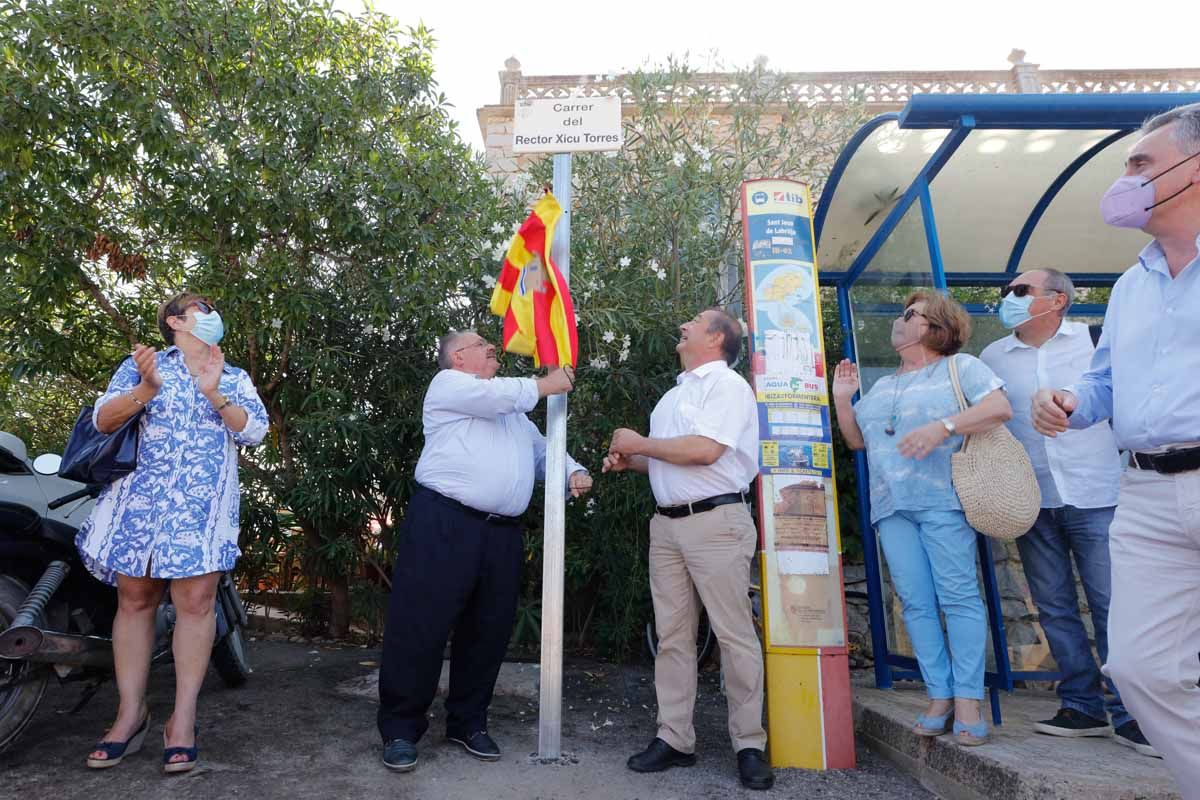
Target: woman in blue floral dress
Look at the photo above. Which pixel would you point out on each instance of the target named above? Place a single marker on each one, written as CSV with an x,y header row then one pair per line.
x,y
174,520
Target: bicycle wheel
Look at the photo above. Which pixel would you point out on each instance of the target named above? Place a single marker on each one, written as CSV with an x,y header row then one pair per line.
x,y
706,640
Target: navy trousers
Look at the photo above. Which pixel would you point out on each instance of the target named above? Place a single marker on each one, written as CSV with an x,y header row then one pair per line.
x,y
455,572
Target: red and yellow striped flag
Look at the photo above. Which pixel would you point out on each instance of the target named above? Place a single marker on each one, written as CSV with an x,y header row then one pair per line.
x,y
532,296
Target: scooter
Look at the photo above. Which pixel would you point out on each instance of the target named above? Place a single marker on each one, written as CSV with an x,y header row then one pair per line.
x,y
63,624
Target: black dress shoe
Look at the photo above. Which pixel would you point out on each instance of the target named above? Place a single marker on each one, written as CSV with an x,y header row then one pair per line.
x,y
478,744
400,755
754,770
659,756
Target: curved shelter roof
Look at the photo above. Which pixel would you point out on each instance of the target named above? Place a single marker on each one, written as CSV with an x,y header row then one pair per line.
x,y
998,183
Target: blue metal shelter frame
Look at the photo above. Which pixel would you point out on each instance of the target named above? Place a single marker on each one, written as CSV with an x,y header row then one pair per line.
x,y
960,115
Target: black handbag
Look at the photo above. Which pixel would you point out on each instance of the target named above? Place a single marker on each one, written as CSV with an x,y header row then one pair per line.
x,y
94,457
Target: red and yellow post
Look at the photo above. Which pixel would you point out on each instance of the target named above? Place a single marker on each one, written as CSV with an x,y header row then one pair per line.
x,y
809,718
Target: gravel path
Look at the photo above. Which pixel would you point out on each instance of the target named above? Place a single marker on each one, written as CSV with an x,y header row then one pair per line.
x,y
290,734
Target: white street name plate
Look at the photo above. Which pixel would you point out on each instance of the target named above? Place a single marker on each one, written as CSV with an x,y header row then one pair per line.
x,y
569,125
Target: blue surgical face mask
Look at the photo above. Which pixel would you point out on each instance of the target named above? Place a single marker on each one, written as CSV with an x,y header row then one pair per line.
x,y
1014,311
209,327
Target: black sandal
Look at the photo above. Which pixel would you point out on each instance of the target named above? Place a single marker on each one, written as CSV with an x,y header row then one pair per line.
x,y
115,752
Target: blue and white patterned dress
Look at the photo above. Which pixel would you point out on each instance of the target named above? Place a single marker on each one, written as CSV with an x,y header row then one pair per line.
x,y
178,511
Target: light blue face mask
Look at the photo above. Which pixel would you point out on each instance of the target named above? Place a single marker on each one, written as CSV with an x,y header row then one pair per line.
x,y
210,328
1014,311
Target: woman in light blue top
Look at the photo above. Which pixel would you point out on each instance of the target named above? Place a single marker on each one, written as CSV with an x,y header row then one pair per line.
x,y
910,424
173,519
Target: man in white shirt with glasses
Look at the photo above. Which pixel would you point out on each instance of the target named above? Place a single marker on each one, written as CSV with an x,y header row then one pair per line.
x,y
1078,474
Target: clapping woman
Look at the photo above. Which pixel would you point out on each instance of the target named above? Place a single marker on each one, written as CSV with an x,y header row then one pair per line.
x,y
174,520
910,424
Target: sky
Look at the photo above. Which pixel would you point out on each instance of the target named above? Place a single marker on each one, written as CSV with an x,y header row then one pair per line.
x,y
595,37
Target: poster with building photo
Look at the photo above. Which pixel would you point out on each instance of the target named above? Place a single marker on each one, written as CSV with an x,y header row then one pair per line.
x,y
804,596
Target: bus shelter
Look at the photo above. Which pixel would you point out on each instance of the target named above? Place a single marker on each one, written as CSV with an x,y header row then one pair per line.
x,y
968,191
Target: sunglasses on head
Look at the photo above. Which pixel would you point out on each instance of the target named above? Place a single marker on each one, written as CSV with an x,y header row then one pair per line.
x,y
204,307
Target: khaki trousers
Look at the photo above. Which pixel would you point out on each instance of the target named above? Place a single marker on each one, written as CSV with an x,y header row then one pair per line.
x,y
1154,615
708,553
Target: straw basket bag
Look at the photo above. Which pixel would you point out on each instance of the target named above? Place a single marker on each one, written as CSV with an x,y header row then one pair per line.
x,y
994,478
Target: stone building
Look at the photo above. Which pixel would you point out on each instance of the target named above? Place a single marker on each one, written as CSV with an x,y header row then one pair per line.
x,y
881,91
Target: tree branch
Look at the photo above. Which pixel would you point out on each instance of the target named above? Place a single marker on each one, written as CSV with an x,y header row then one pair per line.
x,y
108,308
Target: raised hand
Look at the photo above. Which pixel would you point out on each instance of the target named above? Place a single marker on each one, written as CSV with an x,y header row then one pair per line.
x,y
626,442
845,380
146,359
209,379
557,381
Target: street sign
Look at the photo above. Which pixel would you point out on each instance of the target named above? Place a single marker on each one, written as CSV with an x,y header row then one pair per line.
x,y
567,125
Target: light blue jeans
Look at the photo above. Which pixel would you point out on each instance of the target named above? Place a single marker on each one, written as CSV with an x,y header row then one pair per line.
x,y
931,557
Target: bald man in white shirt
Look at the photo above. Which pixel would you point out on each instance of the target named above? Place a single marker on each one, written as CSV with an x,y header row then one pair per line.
x,y
458,561
701,456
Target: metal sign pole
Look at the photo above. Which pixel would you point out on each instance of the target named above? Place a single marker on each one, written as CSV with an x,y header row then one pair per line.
x,y
553,542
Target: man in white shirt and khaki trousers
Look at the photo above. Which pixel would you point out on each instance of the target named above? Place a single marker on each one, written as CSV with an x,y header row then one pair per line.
x,y
1079,475
701,456
458,560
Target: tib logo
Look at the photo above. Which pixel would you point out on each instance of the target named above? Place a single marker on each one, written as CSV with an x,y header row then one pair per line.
x,y
789,197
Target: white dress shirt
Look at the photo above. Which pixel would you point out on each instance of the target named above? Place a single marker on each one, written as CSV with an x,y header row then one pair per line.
x,y
1080,468
712,401
1144,373
480,448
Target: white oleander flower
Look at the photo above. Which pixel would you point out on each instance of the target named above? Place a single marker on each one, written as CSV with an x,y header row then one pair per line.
x,y
497,227
624,355
609,336
662,274
679,159
489,281
387,336
653,265
599,362
626,340
625,261
277,323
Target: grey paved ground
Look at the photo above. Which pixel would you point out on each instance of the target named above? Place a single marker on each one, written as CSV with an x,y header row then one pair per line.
x,y
291,734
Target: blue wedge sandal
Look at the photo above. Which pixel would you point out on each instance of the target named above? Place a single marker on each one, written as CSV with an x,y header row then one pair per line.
x,y
971,735
933,725
191,756
115,752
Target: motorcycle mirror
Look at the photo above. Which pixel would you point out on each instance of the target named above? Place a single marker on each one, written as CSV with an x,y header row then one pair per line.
x,y
13,445
47,463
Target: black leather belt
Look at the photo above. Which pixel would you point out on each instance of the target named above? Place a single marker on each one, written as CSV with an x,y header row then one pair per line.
x,y
700,506
1168,463
498,519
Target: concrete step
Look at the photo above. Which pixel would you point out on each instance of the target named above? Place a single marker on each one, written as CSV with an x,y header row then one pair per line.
x,y
1017,764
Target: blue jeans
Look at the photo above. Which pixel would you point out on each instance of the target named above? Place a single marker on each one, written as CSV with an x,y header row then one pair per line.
x,y
931,557
1046,555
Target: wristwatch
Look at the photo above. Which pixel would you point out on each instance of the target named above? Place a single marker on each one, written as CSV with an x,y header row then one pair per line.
x,y
950,427
224,402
